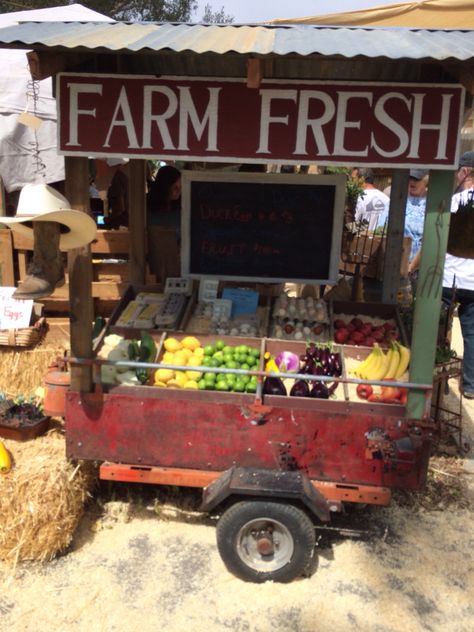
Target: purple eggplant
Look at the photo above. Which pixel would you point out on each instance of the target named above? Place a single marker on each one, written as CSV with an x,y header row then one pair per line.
x,y
337,365
273,386
312,351
300,389
319,391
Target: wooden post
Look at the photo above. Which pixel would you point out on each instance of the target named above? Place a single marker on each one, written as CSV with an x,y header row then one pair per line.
x,y
7,275
136,215
396,224
80,278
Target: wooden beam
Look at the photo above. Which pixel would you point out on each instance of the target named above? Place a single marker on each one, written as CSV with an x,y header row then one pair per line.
x,y
46,64
80,277
254,72
136,215
7,276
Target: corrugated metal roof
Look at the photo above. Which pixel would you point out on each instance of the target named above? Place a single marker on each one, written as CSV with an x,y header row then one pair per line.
x,y
391,43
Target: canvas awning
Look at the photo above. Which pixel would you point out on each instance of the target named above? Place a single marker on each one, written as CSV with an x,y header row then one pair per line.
x,y
436,14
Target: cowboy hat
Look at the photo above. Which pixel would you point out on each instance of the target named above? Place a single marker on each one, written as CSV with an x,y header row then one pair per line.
x,y
42,203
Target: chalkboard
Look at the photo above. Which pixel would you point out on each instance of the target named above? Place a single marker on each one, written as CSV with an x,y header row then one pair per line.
x,y
262,227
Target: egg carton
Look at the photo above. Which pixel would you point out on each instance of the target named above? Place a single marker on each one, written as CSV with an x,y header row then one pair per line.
x,y
170,311
301,310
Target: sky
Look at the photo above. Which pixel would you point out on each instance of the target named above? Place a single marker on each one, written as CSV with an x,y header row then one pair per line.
x,y
261,10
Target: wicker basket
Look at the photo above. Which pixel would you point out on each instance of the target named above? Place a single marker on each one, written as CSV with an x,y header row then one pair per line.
x,y
25,336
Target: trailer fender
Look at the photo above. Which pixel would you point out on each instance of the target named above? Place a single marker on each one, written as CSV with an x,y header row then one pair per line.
x,y
246,481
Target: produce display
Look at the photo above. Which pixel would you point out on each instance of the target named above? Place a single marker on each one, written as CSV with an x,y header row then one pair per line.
x,y
189,353
363,331
318,359
300,319
117,348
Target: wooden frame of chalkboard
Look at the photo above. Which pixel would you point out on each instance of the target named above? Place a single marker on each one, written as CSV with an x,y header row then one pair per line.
x,y
268,228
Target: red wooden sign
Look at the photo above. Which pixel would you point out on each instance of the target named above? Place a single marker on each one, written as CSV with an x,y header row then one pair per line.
x,y
222,120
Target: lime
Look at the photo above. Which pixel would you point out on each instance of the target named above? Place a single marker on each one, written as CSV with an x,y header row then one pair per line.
x,y
242,349
230,378
206,361
232,364
239,385
228,350
245,366
214,362
253,351
202,384
209,350
219,355
210,377
245,378
219,344
222,385
250,387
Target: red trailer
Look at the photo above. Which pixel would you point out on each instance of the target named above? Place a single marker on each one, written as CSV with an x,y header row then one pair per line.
x,y
272,466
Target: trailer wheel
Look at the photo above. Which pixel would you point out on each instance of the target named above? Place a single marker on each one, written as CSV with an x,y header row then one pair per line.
x,y
263,540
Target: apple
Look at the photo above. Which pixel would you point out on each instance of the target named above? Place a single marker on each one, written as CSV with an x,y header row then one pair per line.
x,y
356,322
369,341
357,337
341,335
339,324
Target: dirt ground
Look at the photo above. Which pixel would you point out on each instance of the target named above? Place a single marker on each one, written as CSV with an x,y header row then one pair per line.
x,y
149,561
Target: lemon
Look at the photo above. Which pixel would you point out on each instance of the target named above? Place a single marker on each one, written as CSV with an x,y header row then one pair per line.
x,y
180,358
199,352
164,375
191,384
181,377
171,344
168,357
190,342
194,375
173,384
187,353
160,384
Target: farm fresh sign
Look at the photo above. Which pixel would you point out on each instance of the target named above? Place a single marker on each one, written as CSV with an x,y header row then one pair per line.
x,y
281,121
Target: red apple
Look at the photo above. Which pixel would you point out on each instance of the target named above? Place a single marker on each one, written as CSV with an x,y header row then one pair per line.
x,y
366,329
356,322
357,337
350,328
339,324
369,341
341,335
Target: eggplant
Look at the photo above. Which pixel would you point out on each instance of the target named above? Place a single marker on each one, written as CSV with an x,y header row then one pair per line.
x,y
273,386
319,391
312,351
337,365
300,389
324,359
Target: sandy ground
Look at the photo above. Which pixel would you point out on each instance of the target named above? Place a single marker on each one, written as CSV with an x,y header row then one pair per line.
x,y
147,564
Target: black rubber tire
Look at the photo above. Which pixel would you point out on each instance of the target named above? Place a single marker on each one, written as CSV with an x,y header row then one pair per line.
x,y
292,525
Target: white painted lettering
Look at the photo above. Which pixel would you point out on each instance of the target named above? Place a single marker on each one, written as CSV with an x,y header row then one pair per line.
x,y
187,112
126,122
382,116
315,124
265,114
75,89
342,123
159,119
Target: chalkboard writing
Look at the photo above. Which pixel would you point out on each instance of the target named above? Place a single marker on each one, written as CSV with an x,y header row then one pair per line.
x,y
262,227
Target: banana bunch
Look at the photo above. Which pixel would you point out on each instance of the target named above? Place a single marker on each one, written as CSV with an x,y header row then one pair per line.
x,y
381,365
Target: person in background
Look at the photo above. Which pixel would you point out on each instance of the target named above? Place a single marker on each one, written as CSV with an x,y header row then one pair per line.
x,y
373,202
459,274
117,195
414,212
164,223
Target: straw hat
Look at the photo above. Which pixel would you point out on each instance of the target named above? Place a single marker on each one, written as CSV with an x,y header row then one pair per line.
x,y
42,203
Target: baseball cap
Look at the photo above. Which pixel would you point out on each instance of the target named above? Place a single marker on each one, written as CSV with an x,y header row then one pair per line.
x,y
467,159
418,174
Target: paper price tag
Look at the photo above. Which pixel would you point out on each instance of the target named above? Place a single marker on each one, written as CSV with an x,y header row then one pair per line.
x,y
14,314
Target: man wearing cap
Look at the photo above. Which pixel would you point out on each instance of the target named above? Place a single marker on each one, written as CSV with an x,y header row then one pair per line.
x,y
372,203
414,211
459,273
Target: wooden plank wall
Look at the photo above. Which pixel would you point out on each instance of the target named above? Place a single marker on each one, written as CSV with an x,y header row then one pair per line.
x,y
110,279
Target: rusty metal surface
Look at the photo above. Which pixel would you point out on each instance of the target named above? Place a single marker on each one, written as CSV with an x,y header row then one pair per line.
x,y
216,435
349,42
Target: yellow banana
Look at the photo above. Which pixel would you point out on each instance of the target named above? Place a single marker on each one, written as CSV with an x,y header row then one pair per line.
x,y
5,460
373,366
362,368
404,360
393,364
380,369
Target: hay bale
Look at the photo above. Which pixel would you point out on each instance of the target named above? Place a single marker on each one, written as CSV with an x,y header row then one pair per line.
x,y
22,372
41,499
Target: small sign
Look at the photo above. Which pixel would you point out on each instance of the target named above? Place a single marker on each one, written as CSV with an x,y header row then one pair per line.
x,y
243,301
30,120
208,290
14,313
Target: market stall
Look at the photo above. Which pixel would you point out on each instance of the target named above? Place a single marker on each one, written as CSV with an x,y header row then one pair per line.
x,y
279,454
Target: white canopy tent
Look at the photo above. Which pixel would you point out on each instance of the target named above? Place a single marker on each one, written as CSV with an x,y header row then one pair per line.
x,y
28,155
